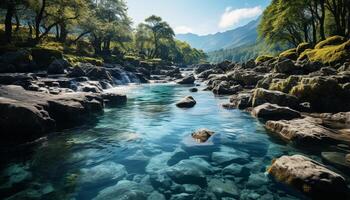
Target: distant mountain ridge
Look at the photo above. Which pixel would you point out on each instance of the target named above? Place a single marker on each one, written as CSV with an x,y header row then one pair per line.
x,y
241,36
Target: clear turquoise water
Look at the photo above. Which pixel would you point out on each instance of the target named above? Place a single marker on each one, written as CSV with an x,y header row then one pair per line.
x,y
144,150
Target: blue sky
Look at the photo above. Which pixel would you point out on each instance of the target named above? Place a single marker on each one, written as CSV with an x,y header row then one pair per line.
x,y
198,16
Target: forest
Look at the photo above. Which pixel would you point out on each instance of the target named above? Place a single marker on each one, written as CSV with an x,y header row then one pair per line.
x,y
285,24
92,28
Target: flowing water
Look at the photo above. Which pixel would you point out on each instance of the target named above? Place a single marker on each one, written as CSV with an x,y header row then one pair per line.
x,y
144,150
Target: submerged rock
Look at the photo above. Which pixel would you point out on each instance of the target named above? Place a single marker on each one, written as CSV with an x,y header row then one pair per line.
x,y
190,171
309,177
101,174
300,131
338,159
269,111
123,190
223,188
202,135
193,90
187,102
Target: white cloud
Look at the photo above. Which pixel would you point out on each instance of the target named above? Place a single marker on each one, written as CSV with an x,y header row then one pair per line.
x,y
233,16
182,29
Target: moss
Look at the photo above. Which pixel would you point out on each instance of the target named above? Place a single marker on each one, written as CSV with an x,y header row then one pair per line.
x,y
329,54
263,58
334,40
82,59
324,94
303,55
290,54
303,46
285,85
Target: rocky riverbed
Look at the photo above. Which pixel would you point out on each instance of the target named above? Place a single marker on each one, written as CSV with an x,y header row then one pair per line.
x,y
304,105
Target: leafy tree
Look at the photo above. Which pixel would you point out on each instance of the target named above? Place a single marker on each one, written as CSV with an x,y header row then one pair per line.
x,y
160,30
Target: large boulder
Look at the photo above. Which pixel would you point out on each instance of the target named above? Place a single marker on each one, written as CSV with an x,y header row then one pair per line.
x,y
187,80
22,121
245,77
269,111
114,99
261,96
99,73
300,131
58,66
309,177
325,94
225,88
76,71
286,66
187,102
202,67
44,57
32,114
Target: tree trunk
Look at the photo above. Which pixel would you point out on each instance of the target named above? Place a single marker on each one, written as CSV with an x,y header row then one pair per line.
x,y
322,20
8,21
57,32
64,32
38,19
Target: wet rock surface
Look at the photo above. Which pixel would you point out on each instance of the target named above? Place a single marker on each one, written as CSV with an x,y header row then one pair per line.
x,y
309,176
186,102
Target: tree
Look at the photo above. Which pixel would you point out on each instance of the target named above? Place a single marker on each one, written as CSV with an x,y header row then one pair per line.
x,y
10,7
160,30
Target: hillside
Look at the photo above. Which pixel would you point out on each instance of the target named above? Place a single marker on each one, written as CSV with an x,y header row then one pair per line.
x,y
244,35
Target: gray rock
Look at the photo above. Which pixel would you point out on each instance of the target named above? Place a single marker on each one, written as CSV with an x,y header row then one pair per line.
x,y
187,102
309,177
156,196
58,66
182,196
257,180
269,111
187,80
300,131
225,88
341,160
236,170
261,96
228,157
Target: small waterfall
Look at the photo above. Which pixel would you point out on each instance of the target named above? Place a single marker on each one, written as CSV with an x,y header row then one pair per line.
x,y
126,78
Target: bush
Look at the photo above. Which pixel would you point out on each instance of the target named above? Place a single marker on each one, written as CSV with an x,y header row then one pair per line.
x,y
44,57
334,40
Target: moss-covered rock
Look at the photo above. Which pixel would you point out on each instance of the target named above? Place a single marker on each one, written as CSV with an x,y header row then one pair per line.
x,y
325,94
331,41
261,96
263,58
328,54
44,57
302,47
290,54
74,60
285,85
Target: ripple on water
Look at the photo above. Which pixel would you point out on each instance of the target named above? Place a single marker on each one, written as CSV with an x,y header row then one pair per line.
x,y
144,150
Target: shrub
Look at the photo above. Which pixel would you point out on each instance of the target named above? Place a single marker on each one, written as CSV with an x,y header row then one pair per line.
x,y
82,59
